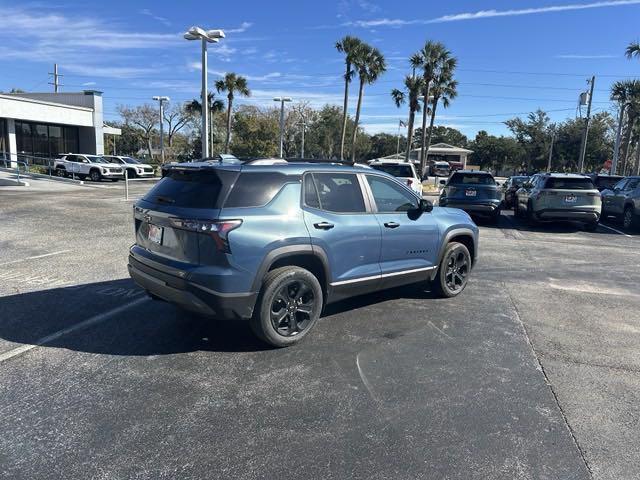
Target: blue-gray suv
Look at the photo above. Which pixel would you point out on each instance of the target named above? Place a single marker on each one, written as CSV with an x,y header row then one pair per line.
x,y
274,244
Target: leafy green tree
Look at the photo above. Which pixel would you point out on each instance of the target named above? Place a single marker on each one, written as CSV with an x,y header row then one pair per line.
x,y
496,153
442,134
369,64
145,117
534,135
633,50
383,144
232,84
349,46
194,110
411,93
255,132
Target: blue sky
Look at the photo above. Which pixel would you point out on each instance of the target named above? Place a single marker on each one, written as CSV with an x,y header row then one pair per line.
x,y
513,56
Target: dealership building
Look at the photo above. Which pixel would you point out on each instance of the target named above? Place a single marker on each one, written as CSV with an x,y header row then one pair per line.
x,y
36,126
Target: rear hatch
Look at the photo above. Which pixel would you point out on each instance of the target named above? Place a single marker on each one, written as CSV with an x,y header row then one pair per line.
x,y
178,219
571,193
403,172
472,187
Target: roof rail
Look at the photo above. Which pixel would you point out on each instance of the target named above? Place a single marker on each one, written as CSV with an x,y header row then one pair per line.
x,y
318,160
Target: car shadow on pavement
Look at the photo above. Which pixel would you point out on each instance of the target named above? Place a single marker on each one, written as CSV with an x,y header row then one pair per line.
x,y
116,318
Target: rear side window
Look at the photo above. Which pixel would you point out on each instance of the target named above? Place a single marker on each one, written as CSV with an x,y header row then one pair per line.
x,y
191,188
472,179
569,183
395,170
256,189
334,192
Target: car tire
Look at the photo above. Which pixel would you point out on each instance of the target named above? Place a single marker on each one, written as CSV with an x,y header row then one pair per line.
x,y
453,271
278,318
82,176
591,226
629,220
495,217
530,214
61,172
131,173
95,176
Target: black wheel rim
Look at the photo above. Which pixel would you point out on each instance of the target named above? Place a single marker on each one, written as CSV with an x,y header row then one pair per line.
x,y
292,308
95,176
457,270
627,219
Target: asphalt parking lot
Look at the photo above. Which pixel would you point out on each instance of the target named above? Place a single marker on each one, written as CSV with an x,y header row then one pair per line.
x,y
533,372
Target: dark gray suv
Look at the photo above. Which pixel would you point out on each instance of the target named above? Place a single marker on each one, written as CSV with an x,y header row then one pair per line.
x,y
623,202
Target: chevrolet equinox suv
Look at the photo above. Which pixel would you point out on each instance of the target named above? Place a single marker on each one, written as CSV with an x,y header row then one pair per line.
x,y
274,244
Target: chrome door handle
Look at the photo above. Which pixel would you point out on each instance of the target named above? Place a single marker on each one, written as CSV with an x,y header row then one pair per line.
x,y
323,225
391,225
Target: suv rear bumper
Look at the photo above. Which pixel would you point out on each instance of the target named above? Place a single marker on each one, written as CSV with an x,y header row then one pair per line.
x,y
189,295
480,208
563,214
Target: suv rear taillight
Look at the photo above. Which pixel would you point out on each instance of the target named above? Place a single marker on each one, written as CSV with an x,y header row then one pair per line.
x,y
216,229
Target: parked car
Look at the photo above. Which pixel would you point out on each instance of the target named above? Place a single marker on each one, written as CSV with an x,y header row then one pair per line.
x,y
604,181
439,169
275,243
133,167
475,191
509,189
559,196
82,166
623,202
403,171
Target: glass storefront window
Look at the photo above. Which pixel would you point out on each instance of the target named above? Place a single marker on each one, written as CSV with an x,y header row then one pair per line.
x,y
4,141
56,141
45,141
24,138
40,140
71,144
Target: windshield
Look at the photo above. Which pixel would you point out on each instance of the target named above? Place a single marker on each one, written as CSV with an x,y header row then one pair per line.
x,y
472,179
130,160
96,159
569,183
518,181
395,170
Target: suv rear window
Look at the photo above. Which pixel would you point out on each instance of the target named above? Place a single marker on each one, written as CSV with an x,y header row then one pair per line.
x,y
569,183
472,179
395,170
256,189
192,188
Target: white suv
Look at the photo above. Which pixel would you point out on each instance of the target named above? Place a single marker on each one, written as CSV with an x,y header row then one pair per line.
x,y
134,168
403,171
82,166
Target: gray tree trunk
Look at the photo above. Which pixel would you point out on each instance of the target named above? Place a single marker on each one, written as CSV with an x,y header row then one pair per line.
x,y
357,121
345,106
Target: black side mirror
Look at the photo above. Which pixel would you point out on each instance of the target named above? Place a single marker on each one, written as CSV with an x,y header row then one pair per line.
x,y
425,205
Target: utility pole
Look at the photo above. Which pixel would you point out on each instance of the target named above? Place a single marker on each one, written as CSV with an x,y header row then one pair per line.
x,y
398,145
585,133
282,100
56,78
303,123
553,139
161,101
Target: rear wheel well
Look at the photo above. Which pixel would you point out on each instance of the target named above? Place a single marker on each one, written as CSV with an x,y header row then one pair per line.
x,y
306,261
467,241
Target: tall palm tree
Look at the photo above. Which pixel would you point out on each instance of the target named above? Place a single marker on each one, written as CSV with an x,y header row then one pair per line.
x,y
349,46
215,106
232,84
444,88
633,50
369,64
627,94
431,55
412,89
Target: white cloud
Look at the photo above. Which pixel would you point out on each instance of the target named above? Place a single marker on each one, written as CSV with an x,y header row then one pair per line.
x,y
388,22
149,13
106,71
244,26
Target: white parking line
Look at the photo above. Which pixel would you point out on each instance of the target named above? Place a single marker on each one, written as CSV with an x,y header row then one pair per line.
x,y
615,230
65,331
34,257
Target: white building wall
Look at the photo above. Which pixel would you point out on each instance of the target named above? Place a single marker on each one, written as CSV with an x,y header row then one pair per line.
x,y
44,112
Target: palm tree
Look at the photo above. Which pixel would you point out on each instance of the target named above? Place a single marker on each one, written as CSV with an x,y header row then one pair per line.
x,y
633,50
430,55
413,87
627,94
444,88
348,45
370,64
232,84
215,106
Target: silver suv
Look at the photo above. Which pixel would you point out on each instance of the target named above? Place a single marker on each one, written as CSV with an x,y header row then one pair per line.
x,y
623,201
559,196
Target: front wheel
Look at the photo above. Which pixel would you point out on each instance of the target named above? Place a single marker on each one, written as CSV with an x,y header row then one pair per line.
x,y
288,306
591,226
629,221
95,176
453,271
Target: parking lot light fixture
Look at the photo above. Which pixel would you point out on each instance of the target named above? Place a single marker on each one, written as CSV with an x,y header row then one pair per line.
x,y
282,100
161,100
205,36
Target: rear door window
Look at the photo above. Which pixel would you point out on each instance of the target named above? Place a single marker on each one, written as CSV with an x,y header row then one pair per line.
x,y
256,189
192,188
335,192
389,196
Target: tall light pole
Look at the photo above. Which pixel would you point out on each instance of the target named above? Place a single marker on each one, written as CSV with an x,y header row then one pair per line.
x,y
585,133
282,100
206,36
302,123
553,139
161,101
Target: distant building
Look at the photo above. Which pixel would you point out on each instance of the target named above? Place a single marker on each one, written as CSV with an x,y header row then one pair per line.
x,y
45,125
437,153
